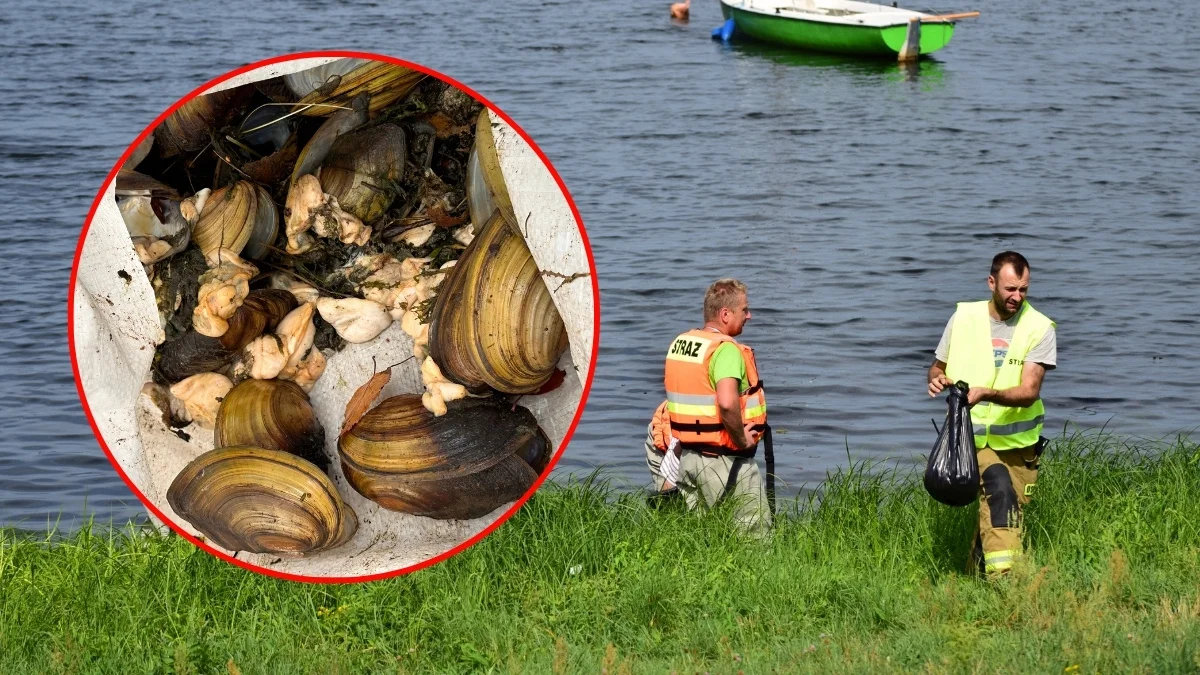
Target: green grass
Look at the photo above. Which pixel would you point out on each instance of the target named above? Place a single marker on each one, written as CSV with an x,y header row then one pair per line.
x,y
866,579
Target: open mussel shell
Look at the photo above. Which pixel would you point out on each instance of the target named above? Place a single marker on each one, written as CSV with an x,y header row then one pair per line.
x,y
361,167
329,74
479,198
193,353
130,182
151,216
150,208
240,217
494,323
273,414
152,219
260,500
267,128
317,149
486,190
463,464
384,82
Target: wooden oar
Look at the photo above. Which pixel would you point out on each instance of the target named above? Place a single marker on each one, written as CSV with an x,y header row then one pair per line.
x,y
950,17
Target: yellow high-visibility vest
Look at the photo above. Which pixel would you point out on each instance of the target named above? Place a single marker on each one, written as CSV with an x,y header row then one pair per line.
x,y
971,359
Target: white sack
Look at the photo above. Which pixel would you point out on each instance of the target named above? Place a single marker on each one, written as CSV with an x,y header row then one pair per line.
x,y
116,331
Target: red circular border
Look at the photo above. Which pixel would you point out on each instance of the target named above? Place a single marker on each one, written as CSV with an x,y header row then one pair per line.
x,y
595,319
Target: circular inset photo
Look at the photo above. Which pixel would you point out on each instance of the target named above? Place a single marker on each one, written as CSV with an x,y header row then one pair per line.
x,y
333,317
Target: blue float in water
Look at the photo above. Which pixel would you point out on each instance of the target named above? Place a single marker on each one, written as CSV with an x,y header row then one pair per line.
x,y
723,32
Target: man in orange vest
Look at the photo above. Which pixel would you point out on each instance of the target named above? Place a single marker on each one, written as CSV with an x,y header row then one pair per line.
x,y
717,408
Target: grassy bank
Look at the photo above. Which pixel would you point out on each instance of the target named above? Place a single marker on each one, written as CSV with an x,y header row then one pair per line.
x,y
868,579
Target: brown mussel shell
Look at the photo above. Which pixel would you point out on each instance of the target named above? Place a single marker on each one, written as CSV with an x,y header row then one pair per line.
x,y
494,323
266,226
240,216
264,309
193,353
262,501
188,128
361,167
464,464
272,414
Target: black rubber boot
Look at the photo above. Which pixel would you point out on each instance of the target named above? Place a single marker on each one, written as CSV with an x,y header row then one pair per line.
x,y
663,499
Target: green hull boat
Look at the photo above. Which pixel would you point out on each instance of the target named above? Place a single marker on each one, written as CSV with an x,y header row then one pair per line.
x,y
839,26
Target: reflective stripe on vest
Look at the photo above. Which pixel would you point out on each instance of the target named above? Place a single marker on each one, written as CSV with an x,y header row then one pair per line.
x,y
688,404
972,360
691,398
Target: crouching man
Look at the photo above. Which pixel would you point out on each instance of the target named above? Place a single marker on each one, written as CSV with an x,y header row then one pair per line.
x,y
717,409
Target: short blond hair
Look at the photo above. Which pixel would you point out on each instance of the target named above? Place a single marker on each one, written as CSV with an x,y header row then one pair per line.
x,y
722,294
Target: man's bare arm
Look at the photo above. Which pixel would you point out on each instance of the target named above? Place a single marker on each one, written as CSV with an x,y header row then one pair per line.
x,y
730,409
937,377
1020,396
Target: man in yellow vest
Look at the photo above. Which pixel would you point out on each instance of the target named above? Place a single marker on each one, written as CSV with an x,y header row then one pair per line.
x,y
717,409
1002,348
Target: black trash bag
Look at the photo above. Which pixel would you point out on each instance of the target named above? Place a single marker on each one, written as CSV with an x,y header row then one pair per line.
x,y
952,474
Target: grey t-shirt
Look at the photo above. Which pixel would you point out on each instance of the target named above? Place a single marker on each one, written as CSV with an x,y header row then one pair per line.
x,y
1044,352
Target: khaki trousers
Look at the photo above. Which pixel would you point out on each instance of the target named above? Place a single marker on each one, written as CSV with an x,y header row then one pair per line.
x,y
703,480
1006,478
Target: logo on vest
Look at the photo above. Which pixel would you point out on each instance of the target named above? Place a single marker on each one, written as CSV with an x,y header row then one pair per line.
x,y
999,350
688,349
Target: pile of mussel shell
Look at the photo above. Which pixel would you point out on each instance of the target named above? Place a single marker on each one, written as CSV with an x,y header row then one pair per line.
x,y
278,221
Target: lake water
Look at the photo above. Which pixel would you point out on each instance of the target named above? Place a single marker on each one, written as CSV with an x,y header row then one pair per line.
x,y
859,200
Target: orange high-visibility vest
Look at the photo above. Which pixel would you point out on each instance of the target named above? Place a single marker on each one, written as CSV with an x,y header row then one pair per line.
x,y
692,400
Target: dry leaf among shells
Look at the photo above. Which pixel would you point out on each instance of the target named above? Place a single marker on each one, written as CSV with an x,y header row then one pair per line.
x,y
361,400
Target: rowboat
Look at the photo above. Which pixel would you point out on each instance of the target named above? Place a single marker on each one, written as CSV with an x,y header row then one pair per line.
x,y
842,26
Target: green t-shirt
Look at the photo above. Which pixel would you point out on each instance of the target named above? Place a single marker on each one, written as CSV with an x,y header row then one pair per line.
x,y
727,362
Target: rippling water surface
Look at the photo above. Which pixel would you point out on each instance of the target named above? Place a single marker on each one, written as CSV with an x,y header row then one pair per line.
x,y
860,201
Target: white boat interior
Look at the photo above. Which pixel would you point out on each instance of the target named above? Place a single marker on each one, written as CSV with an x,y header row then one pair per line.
x,y
831,11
